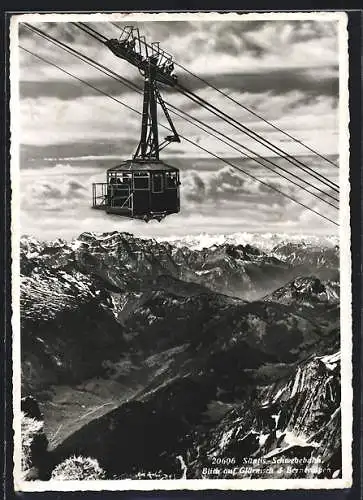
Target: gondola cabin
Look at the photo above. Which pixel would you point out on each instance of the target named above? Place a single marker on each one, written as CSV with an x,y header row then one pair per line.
x,y
142,189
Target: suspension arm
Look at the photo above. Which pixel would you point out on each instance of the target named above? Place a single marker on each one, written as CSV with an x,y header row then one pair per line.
x,y
170,138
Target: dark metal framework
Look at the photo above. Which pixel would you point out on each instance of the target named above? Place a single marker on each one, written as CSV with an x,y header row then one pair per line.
x,y
144,187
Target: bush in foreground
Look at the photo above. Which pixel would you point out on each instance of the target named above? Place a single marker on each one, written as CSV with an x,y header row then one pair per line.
x,y
33,443
78,468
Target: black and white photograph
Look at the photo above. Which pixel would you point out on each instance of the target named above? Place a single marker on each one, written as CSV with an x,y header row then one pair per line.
x,y
181,277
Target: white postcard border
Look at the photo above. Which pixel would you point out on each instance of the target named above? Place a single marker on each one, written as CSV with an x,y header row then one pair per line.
x,y
345,262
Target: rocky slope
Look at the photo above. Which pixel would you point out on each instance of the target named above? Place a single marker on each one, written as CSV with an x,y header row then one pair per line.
x,y
159,351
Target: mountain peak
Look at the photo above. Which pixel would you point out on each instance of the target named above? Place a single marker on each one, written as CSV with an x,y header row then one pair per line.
x,y
306,289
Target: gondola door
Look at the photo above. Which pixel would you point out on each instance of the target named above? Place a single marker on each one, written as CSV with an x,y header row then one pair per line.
x,y
157,192
141,184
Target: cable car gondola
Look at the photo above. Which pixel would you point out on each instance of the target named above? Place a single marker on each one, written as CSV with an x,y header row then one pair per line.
x,y
144,187
138,189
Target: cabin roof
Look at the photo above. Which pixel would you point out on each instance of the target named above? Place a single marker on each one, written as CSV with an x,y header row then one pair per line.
x,y
140,165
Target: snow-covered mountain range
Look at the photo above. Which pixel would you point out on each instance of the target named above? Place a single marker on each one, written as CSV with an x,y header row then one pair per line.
x,y
167,350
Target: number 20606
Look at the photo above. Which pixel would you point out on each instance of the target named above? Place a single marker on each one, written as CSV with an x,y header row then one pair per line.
x,y
223,460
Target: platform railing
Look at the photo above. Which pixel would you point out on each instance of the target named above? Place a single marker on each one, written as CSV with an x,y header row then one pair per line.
x,y
110,196
133,47
99,194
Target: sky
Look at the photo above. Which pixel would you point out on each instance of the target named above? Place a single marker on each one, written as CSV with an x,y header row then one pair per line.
x,y
284,70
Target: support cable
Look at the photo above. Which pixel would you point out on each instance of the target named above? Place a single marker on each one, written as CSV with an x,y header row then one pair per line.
x,y
253,135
